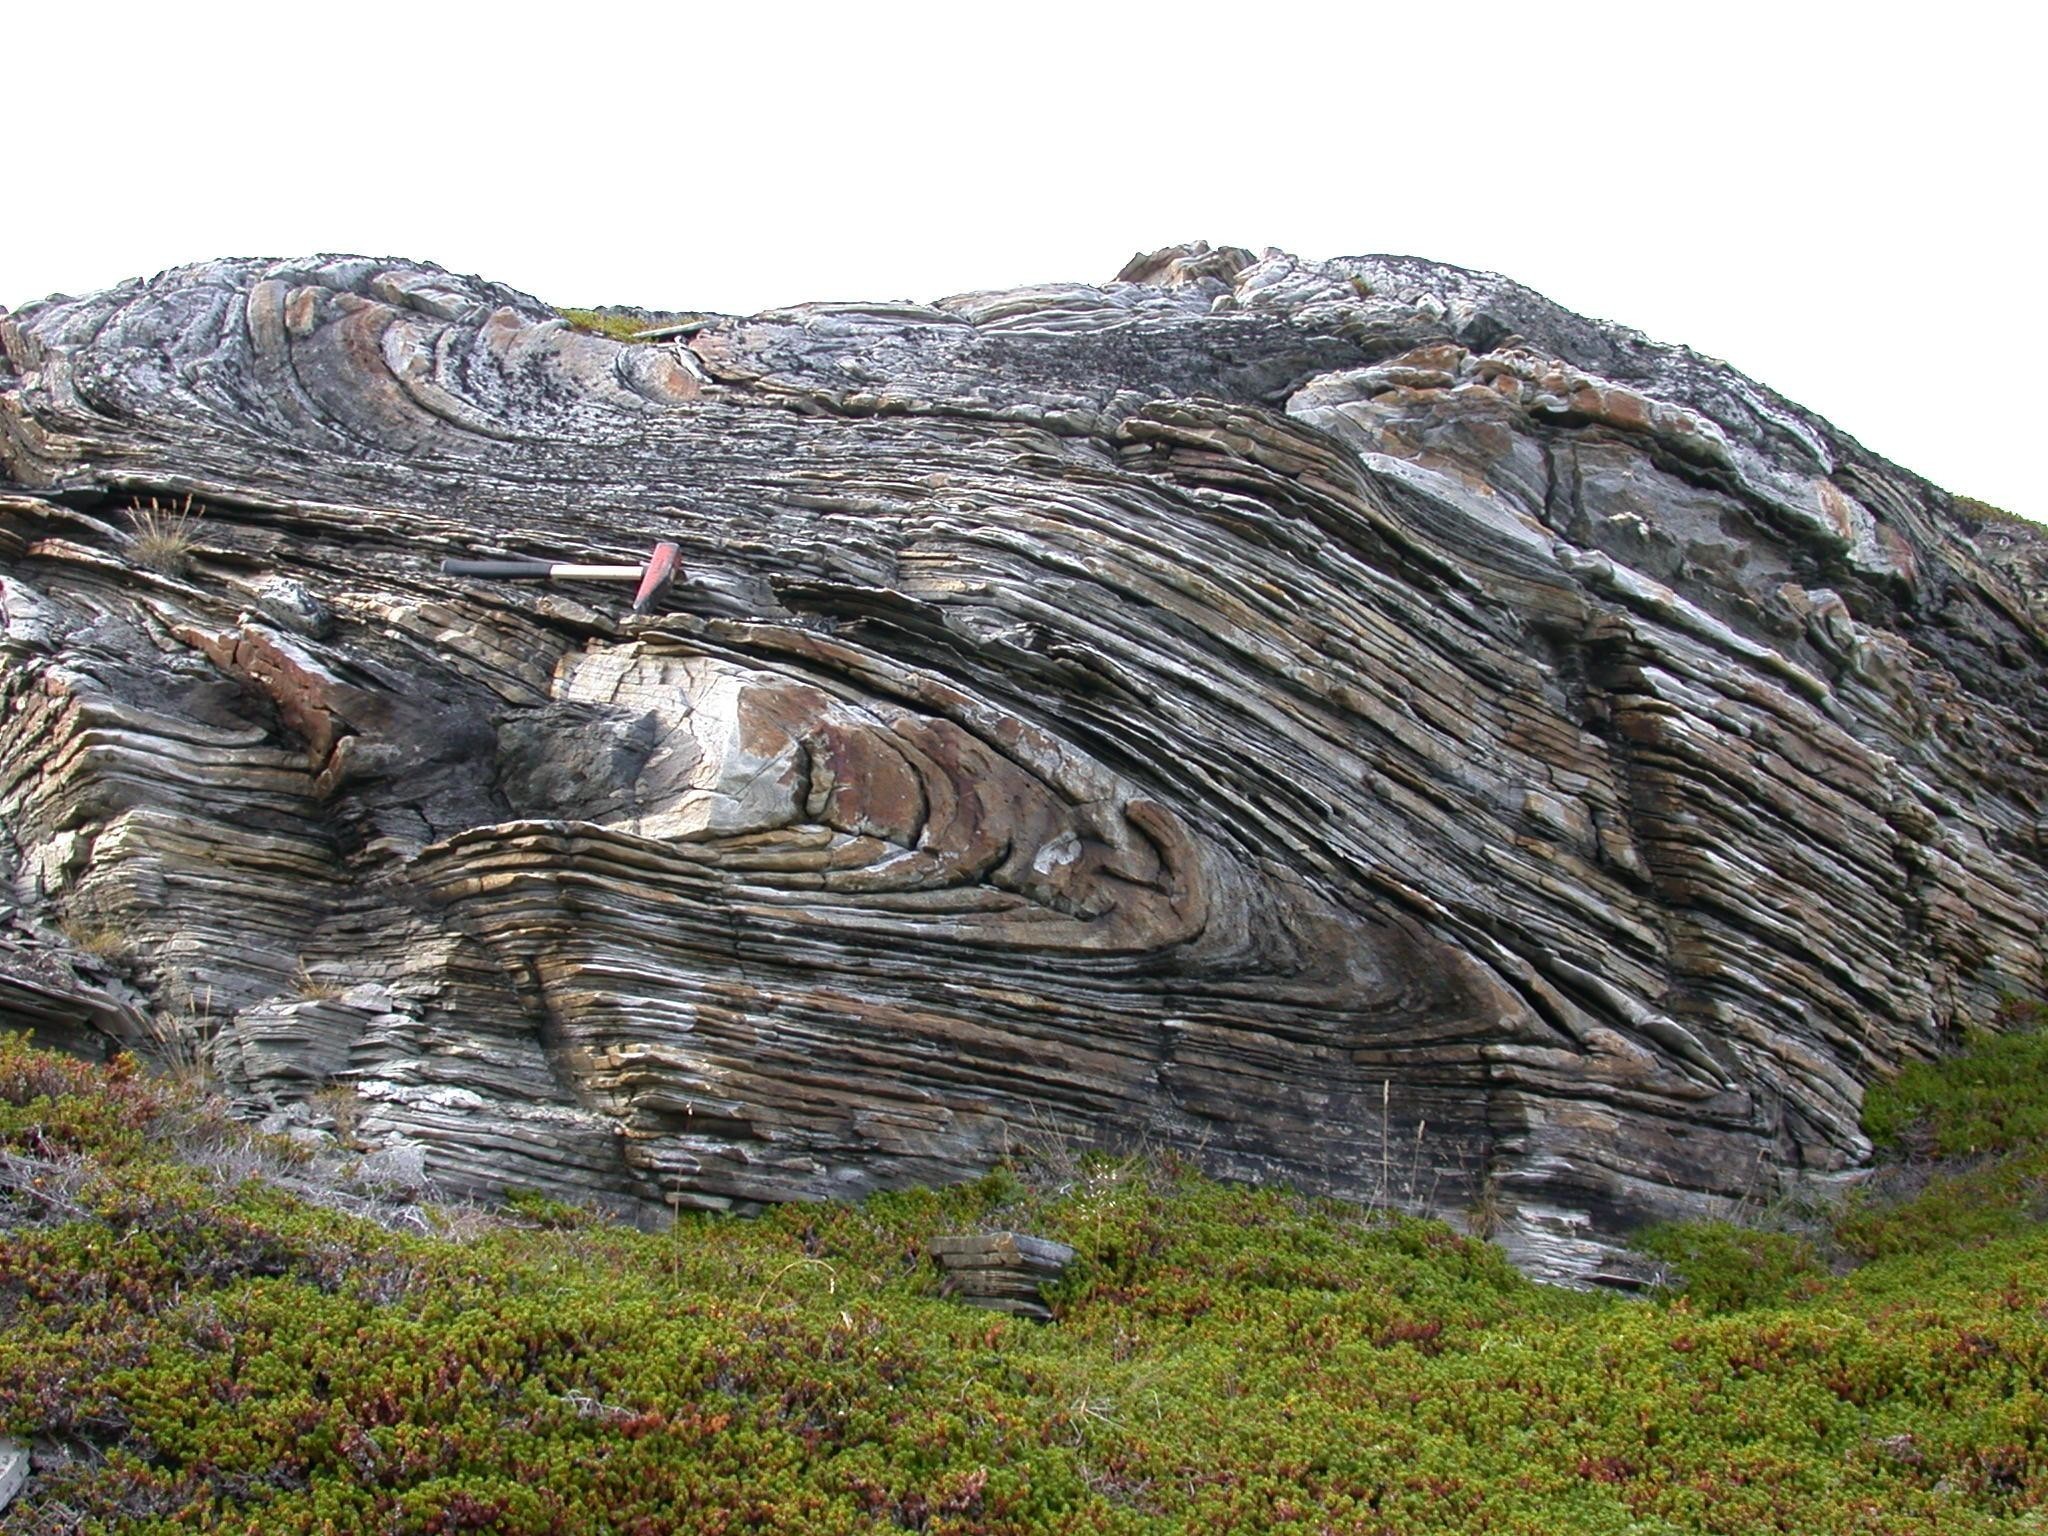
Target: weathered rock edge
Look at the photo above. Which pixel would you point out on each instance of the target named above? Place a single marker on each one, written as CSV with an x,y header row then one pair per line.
x,y
1355,722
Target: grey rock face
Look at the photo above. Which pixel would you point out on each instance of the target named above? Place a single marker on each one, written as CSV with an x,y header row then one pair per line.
x,y
14,1468
1354,721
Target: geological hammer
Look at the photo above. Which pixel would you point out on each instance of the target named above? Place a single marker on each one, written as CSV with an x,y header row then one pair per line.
x,y
654,577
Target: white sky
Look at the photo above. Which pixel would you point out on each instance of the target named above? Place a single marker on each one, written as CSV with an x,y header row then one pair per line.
x,y
1838,200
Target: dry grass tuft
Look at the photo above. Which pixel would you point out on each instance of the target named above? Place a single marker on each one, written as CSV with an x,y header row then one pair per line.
x,y
342,1108
163,536
1488,1212
314,989
181,1040
96,939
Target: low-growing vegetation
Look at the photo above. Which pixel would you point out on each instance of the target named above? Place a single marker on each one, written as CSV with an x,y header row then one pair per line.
x,y
618,325
190,1347
1985,512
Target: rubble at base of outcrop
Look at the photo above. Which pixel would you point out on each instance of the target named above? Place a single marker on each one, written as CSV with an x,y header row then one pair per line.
x,y
1353,722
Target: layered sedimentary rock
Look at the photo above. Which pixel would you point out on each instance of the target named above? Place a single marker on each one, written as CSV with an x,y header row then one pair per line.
x,y
1354,722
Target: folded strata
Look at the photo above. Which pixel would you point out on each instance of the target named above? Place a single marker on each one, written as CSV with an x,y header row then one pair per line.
x,y
1352,722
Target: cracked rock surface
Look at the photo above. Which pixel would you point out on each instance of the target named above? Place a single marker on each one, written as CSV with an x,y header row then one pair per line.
x,y
1355,722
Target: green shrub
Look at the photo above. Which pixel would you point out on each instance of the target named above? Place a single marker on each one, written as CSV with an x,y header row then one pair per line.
x,y
1992,1097
545,1211
217,1355
1985,512
1722,1267
56,1106
1956,1211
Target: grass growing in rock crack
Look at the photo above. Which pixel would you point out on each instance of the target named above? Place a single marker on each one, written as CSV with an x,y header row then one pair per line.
x,y
162,537
314,988
197,1349
100,940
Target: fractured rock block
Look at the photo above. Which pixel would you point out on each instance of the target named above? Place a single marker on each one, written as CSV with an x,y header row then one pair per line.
x,y
1002,1271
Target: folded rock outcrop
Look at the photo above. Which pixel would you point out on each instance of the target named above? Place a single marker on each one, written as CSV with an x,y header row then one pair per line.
x,y
1354,722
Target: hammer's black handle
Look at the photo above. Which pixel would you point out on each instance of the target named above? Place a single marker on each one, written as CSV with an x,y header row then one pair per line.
x,y
497,567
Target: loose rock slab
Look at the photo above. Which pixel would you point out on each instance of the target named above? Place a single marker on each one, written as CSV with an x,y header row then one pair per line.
x,y
14,1462
1353,722
1002,1271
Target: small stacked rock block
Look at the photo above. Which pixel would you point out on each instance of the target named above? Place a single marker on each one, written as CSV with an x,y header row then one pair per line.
x,y
1002,1271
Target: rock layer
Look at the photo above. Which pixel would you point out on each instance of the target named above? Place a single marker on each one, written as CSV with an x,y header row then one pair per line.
x,y
1354,722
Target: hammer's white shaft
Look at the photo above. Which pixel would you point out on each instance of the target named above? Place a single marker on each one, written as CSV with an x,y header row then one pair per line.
x,y
595,572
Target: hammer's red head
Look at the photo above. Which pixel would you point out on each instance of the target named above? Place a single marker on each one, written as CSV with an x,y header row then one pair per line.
x,y
662,566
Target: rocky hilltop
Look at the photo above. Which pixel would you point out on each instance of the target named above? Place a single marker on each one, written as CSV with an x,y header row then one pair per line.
x,y
1354,722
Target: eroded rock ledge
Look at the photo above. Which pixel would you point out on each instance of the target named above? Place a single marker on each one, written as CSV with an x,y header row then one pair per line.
x,y
1354,721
